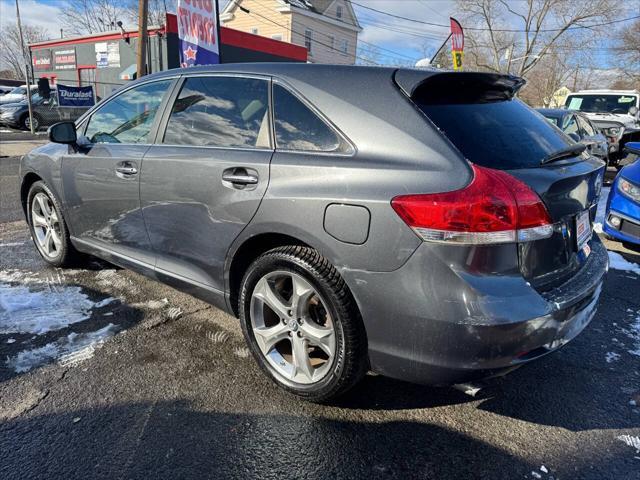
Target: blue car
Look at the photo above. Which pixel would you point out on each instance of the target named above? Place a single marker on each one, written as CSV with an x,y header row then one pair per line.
x,y
622,217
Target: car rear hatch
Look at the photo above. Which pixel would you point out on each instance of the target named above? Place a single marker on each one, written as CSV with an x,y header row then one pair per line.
x,y
478,113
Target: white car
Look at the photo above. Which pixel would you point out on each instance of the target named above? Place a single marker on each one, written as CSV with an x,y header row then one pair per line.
x,y
18,94
615,113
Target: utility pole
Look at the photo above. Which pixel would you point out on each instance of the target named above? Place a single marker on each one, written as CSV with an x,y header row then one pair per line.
x,y
26,69
143,13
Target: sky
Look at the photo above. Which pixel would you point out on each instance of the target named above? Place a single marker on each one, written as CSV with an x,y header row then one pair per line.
x,y
395,40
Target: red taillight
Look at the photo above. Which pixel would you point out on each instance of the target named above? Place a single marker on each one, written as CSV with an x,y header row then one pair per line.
x,y
494,208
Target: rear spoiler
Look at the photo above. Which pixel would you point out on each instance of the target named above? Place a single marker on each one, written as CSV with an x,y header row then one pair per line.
x,y
441,87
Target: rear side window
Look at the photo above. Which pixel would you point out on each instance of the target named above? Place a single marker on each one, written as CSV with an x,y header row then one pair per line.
x,y
504,134
299,128
220,112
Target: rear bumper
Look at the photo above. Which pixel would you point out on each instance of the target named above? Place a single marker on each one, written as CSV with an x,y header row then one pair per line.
x,y
428,322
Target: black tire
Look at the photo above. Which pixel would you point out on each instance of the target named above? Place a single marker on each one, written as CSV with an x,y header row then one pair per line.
x,y
67,254
350,362
24,122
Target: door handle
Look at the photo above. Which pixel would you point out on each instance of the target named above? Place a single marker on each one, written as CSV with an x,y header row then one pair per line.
x,y
239,176
126,169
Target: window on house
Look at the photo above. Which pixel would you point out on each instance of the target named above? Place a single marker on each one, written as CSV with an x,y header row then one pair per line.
x,y
332,43
277,36
307,39
339,11
344,46
254,30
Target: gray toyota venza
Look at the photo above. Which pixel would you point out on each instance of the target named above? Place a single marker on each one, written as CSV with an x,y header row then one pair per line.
x,y
424,225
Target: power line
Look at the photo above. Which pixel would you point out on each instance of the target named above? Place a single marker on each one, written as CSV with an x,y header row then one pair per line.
x,y
494,29
396,54
249,12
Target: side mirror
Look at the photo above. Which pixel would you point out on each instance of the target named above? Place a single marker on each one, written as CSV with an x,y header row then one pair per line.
x,y
63,132
575,137
633,147
633,111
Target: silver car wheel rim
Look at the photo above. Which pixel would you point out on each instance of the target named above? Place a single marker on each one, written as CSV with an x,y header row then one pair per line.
x,y
292,327
46,225
36,124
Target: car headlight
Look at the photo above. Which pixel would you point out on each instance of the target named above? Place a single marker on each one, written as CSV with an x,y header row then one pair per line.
x,y
10,109
629,189
614,131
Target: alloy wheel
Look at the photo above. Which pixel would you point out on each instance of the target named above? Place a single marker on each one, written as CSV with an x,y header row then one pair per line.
x,y
46,225
292,327
36,123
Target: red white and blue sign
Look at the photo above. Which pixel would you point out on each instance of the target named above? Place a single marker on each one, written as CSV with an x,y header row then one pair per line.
x,y
199,32
75,96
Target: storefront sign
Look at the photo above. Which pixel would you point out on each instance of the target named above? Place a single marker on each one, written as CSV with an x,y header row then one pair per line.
x,y
64,59
198,29
107,54
75,96
41,59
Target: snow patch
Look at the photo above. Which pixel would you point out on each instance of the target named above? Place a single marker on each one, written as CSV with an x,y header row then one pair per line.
x,y
23,310
71,350
634,334
42,308
151,304
612,357
631,441
601,210
618,262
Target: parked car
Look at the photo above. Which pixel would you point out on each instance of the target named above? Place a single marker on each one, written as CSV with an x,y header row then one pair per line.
x,y
579,128
622,217
4,89
45,112
17,94
426,225
616,113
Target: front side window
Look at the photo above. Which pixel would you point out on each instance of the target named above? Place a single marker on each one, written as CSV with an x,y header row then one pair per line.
x,y
298,128
220,112
128,118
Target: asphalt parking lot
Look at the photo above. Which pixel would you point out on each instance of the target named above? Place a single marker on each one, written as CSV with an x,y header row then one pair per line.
x,y
105,374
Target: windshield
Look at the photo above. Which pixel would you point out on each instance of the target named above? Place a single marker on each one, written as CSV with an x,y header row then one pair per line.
x,y
504,135
601,103
18,91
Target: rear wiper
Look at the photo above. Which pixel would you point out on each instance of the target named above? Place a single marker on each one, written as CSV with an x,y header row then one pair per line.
x,y
570,151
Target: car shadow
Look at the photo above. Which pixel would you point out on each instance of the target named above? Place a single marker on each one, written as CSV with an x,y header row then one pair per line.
x,y
171,440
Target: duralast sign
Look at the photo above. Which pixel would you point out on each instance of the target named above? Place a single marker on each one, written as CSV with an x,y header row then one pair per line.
x,y
64,59
75,96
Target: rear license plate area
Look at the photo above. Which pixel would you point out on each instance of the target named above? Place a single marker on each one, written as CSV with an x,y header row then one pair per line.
x,y
583,230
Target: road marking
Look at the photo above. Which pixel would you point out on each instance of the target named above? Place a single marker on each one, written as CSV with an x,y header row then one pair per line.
x,y
14,244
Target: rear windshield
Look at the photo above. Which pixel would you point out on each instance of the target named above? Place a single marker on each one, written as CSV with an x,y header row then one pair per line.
x,y
505,135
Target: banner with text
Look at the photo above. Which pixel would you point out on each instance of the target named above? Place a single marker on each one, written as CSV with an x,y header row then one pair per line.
x,y
75,96
199,32
457,43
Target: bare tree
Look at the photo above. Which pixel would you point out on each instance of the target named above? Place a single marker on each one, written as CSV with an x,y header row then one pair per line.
x,y
82,17
157,11
627,53
11,55
516,36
